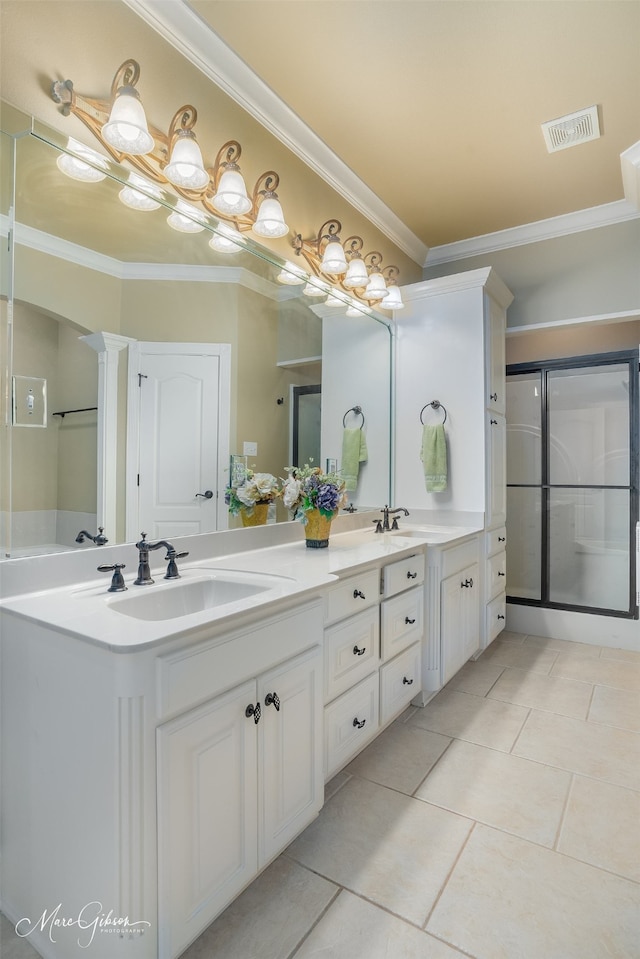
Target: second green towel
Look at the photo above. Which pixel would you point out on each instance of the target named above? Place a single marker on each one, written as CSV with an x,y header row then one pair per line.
x,y
434,458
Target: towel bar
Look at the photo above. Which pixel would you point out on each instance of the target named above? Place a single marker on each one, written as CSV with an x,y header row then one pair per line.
x,y
354,409
437,405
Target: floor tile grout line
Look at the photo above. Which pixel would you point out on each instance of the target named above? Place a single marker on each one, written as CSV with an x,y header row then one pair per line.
x,y
563,814
303,939
424,779
520,731
448,876
591,698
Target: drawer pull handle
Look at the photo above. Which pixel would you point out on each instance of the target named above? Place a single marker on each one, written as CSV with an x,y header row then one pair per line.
x,y
272,699
501,574
467,583
494,397
494,422
358,594
500,616
359,652
411,575
359,722
407,682
502,539
409,622
254,711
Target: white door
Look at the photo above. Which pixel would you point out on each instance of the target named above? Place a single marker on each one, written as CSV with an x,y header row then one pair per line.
x,y
176,477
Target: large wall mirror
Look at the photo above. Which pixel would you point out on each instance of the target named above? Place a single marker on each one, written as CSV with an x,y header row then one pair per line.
x,y
98,297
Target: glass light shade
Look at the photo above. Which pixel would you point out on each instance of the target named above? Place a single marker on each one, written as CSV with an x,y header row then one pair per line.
x,y
291,275
393,301
138,194
357,274
75,164
376,288
334,300
312,289
357,309
185,167
231,196
227,239
270,220
126,129
186,219
333,259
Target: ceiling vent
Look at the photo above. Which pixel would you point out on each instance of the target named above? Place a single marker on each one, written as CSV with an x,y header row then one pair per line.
x,y
571,130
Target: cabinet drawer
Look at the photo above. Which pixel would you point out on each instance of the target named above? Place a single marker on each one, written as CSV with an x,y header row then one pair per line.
x,y
496,540
457,557
352,595
402,619
496,574
495,613
350,722
197,673
350,652
403,574
399,682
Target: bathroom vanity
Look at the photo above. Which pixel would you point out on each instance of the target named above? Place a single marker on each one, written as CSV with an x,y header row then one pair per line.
x,y
152,767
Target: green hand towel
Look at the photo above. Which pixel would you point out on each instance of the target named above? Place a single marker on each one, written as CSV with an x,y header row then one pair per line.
x,y
354,452
434,458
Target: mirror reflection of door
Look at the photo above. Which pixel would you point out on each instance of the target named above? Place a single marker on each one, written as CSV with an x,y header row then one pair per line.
x,y
305,425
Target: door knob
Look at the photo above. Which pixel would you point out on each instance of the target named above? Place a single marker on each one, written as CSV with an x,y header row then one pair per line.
x,y
208,494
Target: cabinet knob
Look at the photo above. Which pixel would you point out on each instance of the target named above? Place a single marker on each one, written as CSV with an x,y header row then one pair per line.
x,y
359,723
407,682
409,622
271,699
358,594
500,616
411,575
493,422
467,583
494,397
359,652
254,711
502,539
501,574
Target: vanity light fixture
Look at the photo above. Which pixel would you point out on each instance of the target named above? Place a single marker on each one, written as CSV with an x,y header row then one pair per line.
x,y
139,194
121,126
126,129
82,163
186,218
227,239
394,300
343,263
291,275
185,167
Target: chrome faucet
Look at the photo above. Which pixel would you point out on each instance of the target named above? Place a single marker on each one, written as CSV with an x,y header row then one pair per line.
x,y
382,526
98,539
144,572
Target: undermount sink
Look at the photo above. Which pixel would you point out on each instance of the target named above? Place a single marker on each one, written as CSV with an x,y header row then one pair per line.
x,y
434,534
207,591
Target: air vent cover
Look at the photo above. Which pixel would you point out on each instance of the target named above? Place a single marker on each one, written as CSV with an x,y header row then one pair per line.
x,y
571,130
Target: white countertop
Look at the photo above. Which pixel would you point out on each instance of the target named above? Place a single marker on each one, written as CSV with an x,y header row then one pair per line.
x,y
83,610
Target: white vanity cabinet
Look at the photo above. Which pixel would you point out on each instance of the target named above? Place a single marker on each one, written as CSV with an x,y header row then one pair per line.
x,y
495,583
372,659
453,595
238,778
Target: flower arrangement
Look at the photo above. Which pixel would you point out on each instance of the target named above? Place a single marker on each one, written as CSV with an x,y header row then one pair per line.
x,y
257,488
307,488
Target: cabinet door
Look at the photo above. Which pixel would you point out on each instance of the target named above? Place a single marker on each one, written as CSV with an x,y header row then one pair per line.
x,y
495,353
207,814
459,619
496,480
290,751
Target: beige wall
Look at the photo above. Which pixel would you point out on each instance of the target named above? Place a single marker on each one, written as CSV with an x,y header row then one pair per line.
x,y
573,341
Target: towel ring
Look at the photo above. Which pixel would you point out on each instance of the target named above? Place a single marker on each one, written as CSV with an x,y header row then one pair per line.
x,y
436,405
354,409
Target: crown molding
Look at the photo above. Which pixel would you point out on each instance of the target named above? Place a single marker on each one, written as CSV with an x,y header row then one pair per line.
x,y
484,278
180,26
606,215
42,242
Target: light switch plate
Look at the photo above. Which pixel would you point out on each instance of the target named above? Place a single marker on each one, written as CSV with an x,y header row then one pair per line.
x,y
29,401
250,449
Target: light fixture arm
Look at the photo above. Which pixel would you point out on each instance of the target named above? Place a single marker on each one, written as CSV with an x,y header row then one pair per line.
x,y
353,247
373,261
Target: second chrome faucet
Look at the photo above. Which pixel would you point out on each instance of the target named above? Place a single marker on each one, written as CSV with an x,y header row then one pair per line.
x,y
144,572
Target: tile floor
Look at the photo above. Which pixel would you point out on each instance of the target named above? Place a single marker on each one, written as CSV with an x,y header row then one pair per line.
x,y
502,821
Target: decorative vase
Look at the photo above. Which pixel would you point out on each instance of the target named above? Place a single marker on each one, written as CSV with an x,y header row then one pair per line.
x,y
258,517
317,529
